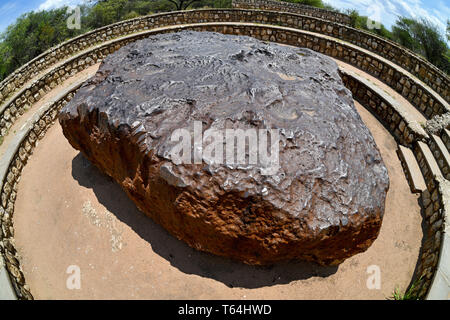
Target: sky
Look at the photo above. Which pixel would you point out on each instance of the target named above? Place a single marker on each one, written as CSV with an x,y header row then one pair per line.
x,y
386,11
10,10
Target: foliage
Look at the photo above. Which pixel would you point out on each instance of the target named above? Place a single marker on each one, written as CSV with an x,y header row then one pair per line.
x,y
397,295
211,4
32,34
314,3
418,35
401,32
424,38
182,4
409,294
35,32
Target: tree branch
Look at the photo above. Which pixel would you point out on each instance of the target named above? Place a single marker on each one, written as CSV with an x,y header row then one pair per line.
x,y
189,3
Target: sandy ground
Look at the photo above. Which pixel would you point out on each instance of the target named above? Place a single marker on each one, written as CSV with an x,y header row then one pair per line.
x,y
69,214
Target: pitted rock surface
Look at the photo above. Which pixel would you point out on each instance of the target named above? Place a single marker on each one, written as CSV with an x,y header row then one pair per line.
x,y
325,202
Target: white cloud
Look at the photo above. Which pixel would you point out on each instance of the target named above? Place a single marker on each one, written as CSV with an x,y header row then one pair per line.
x,y
389,10
52,4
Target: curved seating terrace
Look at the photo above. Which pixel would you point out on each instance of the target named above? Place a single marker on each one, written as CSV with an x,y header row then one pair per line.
x,y
425,156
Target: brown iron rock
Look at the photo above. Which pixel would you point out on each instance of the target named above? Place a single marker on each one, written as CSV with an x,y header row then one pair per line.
x,y
324,203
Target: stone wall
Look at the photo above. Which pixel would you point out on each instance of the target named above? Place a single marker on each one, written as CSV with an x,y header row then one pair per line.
x,y
33,92
435,214
292,7
397,123
446,138
434,217
441,158
417,66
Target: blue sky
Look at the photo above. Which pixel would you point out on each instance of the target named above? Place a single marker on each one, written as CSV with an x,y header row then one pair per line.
x,y
437,11
386,11
10,10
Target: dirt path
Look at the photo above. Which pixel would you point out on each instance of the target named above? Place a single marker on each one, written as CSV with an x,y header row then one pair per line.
x,y
67,213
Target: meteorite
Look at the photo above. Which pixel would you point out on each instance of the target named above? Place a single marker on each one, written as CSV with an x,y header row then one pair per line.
x,y
320,197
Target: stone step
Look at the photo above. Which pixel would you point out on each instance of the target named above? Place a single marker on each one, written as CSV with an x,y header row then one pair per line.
x,y
427,163
445,136
441,155
401,119
411,169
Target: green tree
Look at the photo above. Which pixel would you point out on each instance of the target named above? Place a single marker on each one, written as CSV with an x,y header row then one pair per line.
x,y
403,33
32,34
182,4
107,12
104,12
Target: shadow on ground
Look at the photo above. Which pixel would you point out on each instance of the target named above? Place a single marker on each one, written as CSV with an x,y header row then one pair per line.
x,y
180,255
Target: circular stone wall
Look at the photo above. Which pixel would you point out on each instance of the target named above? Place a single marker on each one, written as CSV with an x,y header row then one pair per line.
x,y
75,55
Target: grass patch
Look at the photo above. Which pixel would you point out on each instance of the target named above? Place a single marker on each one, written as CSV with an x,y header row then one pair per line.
x,y
408,295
